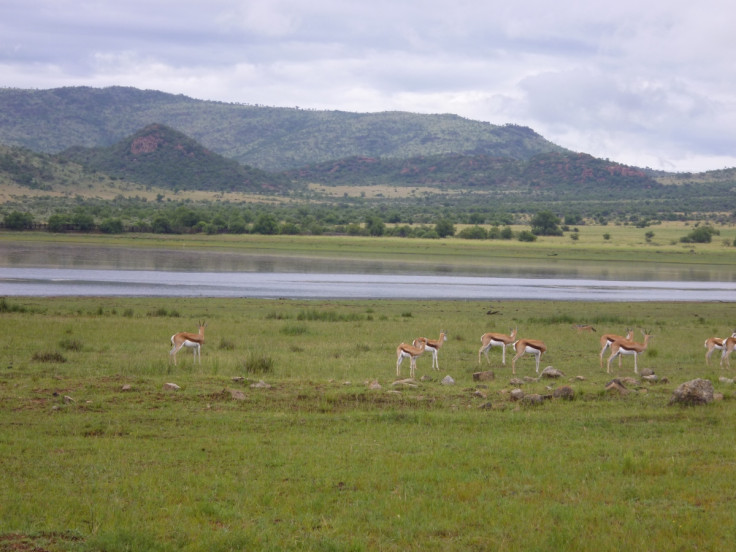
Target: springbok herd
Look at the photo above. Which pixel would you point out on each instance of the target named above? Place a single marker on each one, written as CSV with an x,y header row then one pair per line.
x,y
618,344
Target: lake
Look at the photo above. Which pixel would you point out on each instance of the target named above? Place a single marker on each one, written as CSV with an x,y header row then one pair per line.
x,y
41,270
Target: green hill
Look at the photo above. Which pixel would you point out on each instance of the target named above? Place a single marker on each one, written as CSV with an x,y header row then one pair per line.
x,y
163,157
269,138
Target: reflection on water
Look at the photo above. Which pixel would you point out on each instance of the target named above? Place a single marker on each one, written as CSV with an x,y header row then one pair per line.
x,y
185,260
37,270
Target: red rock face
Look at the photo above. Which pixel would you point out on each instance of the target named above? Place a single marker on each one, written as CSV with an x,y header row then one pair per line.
x,y
145,144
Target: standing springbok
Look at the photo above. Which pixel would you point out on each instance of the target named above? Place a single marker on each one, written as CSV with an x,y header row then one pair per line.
x,y
728,346
713,344
607,339
187,339
490,339
625,347
405,350
531,346
433,346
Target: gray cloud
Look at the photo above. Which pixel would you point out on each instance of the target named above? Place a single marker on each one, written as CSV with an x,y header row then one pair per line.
x,y
641,83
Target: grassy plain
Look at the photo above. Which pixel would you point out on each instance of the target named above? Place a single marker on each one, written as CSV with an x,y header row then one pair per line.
x,y
611,244
320,461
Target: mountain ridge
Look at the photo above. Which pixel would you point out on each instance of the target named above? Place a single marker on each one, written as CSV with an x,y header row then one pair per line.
x,y
269,138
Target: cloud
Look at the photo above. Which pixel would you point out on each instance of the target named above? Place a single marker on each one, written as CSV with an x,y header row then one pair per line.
x,y
637,82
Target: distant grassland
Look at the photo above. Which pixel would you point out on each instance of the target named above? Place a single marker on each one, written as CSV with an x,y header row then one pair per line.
x,y
320,461
617,245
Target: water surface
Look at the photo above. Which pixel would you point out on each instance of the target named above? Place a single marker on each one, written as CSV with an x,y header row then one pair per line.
x,y
43,270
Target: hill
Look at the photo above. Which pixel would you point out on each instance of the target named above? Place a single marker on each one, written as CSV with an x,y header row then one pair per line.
x,y
269,138
163,157
545,171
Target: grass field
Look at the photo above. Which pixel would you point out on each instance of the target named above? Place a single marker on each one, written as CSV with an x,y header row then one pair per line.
x,y
319,460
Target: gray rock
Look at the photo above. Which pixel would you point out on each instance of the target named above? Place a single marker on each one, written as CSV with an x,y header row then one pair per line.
x,y
693,392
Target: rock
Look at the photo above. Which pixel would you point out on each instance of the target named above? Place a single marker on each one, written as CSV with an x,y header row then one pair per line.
x,y
486,406
534,399
651,378
405,383
516,381
579,378
550,372
238,379
447,380
516,394
646,372
235,394
126,387
725,380
480,394
171,387
487,375
565,392
616,386
260,385
374,385
425,378
693,392
68,399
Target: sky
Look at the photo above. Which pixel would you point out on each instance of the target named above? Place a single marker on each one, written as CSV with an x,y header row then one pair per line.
x,y
649,83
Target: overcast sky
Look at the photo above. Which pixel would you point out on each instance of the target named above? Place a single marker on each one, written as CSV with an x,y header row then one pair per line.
x,y
643,82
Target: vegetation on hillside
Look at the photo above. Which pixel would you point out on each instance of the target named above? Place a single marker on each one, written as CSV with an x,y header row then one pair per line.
x,y
163,157
270,138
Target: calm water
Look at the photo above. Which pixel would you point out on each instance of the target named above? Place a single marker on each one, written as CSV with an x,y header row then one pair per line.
x,y
38,270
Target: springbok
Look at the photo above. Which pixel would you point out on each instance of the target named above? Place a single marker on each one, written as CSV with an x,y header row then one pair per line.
x,y
405,350
531,346
624,347
607,339
490,339
728,346
433,346
712,344
187,339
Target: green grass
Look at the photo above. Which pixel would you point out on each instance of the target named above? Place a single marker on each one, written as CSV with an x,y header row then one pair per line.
x,y
319,461
626,245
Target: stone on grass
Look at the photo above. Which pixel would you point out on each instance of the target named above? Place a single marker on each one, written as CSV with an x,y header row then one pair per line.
x,y
486,375
260,385
693,392
565,392
550,372
447,380
617,386
171,387
516,394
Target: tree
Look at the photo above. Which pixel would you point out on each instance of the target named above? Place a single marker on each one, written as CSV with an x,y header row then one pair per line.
x,y
375,226
112,226
444,228
702,234
18,221
266,223
546,223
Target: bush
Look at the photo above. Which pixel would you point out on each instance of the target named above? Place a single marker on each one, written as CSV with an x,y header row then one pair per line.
x,y
702,234
111,226
526,236
473,233
18,221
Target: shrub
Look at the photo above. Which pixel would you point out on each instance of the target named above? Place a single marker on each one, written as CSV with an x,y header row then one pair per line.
x,y
473,233
48,357
702,234
526,236
18,221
